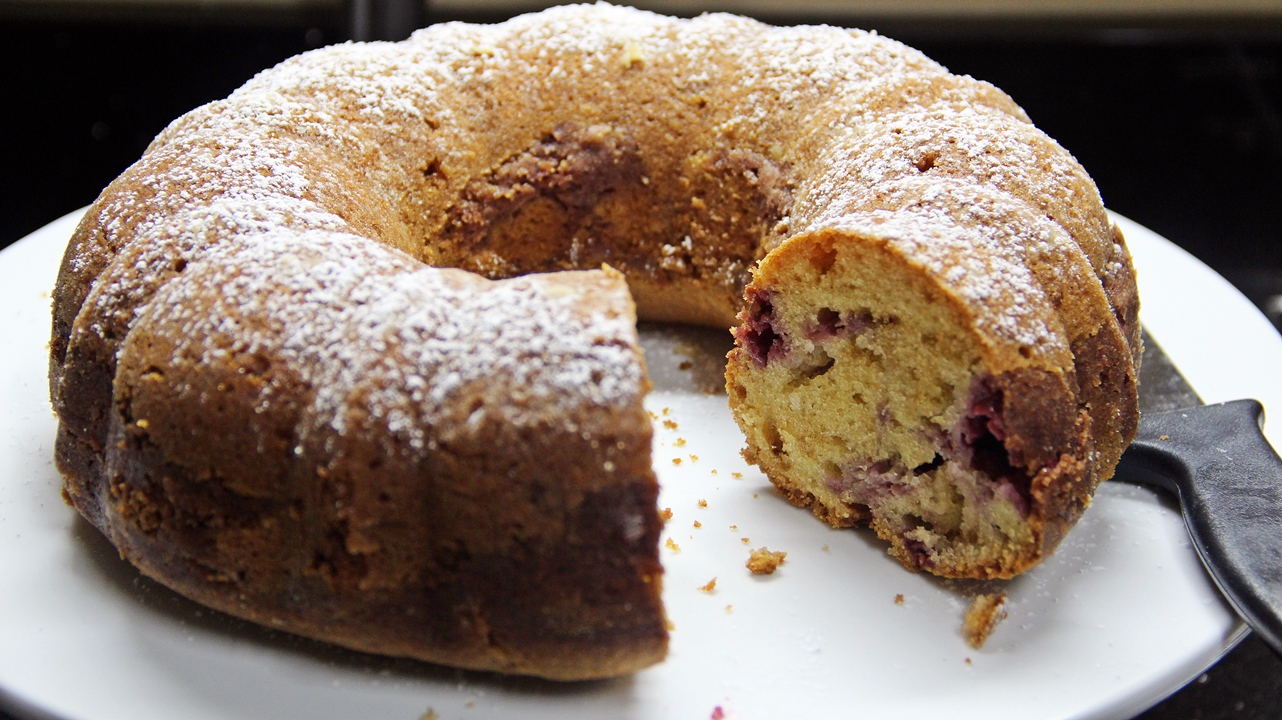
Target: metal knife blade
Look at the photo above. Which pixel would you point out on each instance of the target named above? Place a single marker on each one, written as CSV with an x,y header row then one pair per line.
x,y
1162,386
1228,479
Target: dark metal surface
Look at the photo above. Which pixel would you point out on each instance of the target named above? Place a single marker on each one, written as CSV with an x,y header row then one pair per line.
x,y
1162,387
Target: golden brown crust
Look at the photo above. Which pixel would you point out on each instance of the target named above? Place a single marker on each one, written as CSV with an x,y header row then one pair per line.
x,y
555,573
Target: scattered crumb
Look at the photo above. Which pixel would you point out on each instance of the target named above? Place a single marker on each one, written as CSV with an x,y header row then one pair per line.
x,y
734,527
745,540
666,514
681,442
736,476
1163,437
982,616
714,471
652,415
755,496
685,365
429,715
672,546
899,599
698,524
703,503
671,625
665,411
712,585
694,458
826,548
676,461
763,562
718,713
670,424
968,662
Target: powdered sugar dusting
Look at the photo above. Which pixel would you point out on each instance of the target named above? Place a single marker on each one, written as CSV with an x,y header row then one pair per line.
x,y
382,340
306,153
984,268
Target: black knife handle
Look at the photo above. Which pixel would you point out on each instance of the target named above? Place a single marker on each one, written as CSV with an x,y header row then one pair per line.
x,y
1229,481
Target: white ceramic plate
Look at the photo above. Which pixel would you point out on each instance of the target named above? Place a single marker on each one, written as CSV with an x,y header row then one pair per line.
x,y
1120,617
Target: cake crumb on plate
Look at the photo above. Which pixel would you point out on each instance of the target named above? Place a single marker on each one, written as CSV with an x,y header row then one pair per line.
x,y
982,616
764,562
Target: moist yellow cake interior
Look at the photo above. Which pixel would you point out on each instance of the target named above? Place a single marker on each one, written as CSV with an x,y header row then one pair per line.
x,y
879,370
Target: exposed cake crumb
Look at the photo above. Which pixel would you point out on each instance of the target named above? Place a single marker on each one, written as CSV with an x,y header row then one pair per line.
x,y
666,514
671,545
714,472
736,476
764,562
670,424
734,527
698,524
694,458
982,616
703,503
676,461
745,540
712,585
729,608
681,442
899,599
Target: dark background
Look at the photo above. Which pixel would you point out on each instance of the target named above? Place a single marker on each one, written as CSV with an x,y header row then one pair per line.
x,y
1180,124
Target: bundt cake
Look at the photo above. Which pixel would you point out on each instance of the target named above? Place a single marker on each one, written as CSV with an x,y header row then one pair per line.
x,y
305,373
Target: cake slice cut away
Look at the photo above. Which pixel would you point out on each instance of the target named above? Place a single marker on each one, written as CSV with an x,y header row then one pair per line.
x,y
907,370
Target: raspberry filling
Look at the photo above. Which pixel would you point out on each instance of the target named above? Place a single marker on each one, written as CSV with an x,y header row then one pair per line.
x,y
979,441
759,334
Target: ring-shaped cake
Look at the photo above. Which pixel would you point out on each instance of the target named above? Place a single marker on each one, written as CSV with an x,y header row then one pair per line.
x,y
339,354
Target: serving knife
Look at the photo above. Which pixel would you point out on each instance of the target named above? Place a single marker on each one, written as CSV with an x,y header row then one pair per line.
x,y
1228,478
